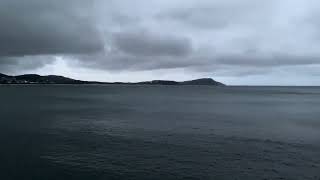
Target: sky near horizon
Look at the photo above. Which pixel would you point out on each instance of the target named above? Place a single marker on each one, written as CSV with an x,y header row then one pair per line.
x,y
237,42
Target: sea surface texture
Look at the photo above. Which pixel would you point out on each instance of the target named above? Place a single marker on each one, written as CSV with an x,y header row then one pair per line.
x,y
102,132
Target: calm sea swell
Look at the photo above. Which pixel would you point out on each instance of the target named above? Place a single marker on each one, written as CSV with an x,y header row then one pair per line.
x,y
159,132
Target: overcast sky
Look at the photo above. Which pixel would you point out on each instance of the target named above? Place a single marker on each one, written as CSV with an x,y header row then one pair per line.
x,y
239,42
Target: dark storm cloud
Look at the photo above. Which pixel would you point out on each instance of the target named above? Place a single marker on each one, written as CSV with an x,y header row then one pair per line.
x,y
147,44
39,27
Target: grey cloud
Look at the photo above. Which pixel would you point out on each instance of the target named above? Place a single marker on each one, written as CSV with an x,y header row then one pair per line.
x,y
127,62
148,44
196,17
215,14
39,27
263,60
17,64
234,64
230,70
121,19
239,38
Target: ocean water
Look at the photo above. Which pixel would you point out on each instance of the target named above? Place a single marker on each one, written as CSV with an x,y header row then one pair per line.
x,y
97,132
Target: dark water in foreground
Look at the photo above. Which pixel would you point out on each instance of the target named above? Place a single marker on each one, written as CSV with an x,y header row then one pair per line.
x,y
159,132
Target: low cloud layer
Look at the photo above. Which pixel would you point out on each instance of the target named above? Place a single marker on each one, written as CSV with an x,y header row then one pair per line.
x,y
229,38
16,65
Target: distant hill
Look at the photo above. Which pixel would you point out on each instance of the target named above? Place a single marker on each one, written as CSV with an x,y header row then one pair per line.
x,y
37,79
203,81
159,82
3,75
52,79
47,79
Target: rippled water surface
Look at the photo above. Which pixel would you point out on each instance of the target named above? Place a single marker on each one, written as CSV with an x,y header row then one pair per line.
x,y
159,132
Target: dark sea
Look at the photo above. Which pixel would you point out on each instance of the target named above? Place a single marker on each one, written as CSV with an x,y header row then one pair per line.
x,y
106,132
